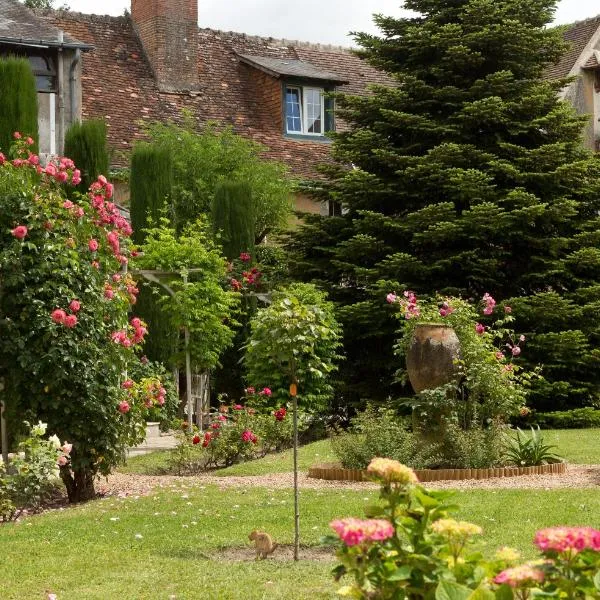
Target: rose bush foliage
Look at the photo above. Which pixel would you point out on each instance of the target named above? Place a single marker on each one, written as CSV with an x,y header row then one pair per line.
x,y
65,335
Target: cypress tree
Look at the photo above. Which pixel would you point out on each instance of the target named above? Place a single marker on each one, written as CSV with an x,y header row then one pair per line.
x,y
18,99
151,181
233,217
86,145
470,177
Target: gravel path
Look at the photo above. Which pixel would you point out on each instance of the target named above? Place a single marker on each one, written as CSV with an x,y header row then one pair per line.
x,y
577,476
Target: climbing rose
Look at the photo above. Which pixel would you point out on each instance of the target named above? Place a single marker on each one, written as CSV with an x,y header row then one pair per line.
x,y
391,298
124,407
127,384
66,448
58,316
266,392
196,439
19,232
75,305
70,321
515,350
280,414
250,390
62,461
238,407
245,257
480,329
93,245
507,310
17,135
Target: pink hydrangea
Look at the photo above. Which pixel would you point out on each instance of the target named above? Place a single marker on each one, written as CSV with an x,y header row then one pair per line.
x,y
520,576
357,531
567,539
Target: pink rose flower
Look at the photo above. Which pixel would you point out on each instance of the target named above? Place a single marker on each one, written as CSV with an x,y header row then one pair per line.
x,y
124,407
266,392
66,448
102,180
93,245
245,257
17,135
75,306
515,350
391,298
29,141
135,322
480,329
62,461
507,310
50,170
238,407
20,232
127,384
443,312
70,321
58,316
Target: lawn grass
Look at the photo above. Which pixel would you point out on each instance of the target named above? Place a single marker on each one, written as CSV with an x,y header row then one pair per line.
x,y
91,552
577,446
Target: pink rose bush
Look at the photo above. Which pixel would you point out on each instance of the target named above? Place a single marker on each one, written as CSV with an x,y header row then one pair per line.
x,y
62,254
410,542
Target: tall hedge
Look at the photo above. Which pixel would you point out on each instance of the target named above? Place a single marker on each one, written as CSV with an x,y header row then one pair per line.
x,y
18,102
233,217
151,182
85,143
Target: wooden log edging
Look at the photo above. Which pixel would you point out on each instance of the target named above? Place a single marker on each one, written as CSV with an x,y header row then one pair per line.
x,y
334,473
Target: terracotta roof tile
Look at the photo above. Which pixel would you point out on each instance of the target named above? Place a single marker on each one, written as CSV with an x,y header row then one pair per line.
x,y
118,85
578,35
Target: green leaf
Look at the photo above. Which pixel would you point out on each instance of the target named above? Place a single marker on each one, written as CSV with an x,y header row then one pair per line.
x,y
448,590
400,574
597,580
504,592
482,593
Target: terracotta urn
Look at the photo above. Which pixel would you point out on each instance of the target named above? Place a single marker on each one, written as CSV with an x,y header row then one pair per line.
x,y
431,357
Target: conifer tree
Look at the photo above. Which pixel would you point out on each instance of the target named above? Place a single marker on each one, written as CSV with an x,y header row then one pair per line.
x,y
86,145
469,176
151,182
18,99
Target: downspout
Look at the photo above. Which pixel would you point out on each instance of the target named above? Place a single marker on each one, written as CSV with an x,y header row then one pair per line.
x,y
61,96
73,88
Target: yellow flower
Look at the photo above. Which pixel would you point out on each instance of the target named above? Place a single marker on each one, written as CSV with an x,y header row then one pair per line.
x,y
455,530
507,554
392,471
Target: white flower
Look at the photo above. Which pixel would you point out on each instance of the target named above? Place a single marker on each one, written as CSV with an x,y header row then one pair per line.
x,y
55,441
39,429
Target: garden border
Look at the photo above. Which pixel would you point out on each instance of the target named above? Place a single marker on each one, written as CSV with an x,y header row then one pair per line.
x,y
336,473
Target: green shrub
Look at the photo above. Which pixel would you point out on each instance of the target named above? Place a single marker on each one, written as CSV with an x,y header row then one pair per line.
x,y
32,474
18,99
578,418
379,431
151,181
232,212
85,145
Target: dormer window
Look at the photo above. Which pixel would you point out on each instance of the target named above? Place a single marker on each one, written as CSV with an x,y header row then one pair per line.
x,y
304,110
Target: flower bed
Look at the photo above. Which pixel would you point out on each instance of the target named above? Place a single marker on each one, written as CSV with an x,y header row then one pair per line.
x,y
337,473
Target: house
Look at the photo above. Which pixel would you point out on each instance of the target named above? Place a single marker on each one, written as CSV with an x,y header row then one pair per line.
x,y
151,64
56,60
582,61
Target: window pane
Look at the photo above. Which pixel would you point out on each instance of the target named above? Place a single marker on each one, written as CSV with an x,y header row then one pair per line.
x,y
314,109
293,115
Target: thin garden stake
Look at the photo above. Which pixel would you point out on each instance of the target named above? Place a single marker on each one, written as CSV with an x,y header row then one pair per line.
x,y
293,392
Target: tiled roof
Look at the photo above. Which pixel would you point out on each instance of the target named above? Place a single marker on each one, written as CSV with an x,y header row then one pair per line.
x,y
578,35
592,62
118,85
20,25
291,68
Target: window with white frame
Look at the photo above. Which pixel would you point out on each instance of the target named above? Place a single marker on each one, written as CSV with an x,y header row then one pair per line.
x,y
305,110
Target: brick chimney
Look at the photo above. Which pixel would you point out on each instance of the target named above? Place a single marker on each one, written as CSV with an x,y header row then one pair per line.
x,y
168,30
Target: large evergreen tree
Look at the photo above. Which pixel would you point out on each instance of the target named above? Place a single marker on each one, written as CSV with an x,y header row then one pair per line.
x,y
469,176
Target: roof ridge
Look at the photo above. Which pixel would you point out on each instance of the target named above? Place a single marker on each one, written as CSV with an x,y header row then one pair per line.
x,y
75,15
282,41
579,22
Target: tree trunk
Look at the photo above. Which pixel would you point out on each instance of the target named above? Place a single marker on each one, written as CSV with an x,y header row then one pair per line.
x,y
79,484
